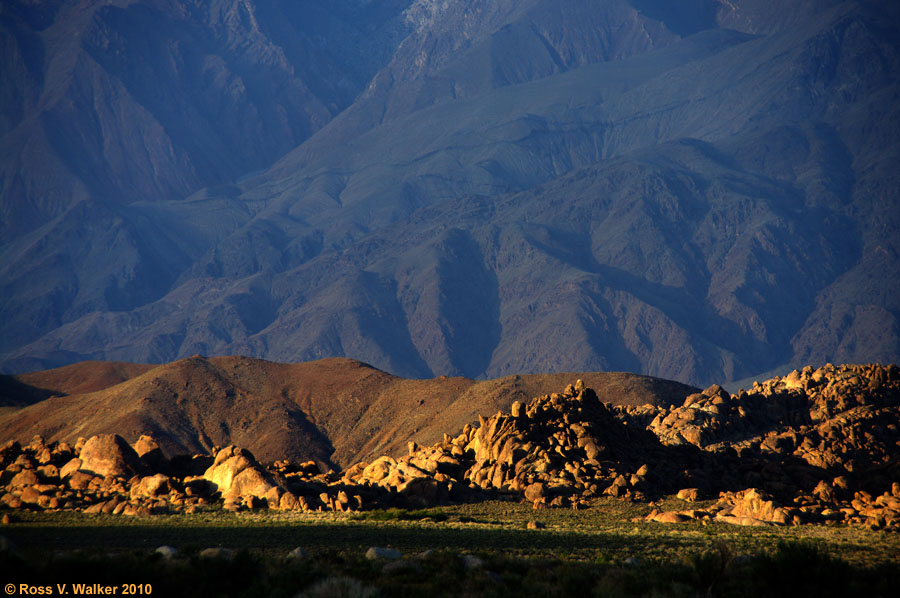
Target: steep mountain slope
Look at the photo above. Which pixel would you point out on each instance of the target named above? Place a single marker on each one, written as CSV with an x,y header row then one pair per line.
x,y
461,50
108,104
336,411
126,101
527,186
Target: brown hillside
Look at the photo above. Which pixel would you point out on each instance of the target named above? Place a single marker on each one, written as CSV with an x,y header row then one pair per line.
x,y
336,411
78,378
84,377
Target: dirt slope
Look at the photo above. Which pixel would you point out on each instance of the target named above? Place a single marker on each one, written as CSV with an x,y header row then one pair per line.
x,y
336,411
79,378
84,377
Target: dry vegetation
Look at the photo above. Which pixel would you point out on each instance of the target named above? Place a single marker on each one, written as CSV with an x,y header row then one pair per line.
x,y
597,551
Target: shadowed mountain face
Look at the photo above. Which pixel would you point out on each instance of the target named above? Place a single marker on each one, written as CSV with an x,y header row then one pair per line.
x,y
119,102
473,188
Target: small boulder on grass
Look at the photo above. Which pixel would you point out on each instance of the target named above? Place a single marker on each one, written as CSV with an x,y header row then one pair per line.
x,y
216,553
689,494
298,553
377,552
668,517
167,552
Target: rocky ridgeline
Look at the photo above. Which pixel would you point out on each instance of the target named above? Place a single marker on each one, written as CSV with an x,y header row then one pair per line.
x,y
835,417
836,428
815,446
560,449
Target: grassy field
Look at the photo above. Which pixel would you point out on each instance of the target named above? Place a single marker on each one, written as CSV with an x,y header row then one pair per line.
x,y
598,551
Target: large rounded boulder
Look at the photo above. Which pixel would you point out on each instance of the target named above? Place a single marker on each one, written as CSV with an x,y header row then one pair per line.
x,y
236,474
110,455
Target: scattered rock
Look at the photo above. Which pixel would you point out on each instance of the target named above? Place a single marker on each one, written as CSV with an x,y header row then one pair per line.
x,y
376,553
669,517
743,521
535,491
298,553
24,478
167,552
151,486
751,504
216,553
688,494
470,561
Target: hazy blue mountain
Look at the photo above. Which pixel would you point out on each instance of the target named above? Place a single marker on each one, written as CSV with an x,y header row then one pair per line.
x,y
150,101
480,187
110,104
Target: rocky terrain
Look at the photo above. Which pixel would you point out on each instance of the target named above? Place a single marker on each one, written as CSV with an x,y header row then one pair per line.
x,y
819,445
334,411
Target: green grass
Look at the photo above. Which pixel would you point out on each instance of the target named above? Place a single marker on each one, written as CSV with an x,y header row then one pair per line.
x,y
597,551
402,515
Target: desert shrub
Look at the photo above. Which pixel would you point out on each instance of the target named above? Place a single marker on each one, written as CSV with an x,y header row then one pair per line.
x,y
401,515
801,569
338,587
709,567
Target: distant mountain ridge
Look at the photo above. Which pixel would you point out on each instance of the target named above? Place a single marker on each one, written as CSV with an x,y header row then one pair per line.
x,y
474,188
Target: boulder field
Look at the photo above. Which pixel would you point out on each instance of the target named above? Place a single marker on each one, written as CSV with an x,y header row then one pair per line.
x,y
818,445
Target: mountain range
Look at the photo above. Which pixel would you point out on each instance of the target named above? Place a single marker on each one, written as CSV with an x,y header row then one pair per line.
x,y
474,188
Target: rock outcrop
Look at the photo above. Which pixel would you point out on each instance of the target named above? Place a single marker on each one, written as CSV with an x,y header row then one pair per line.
x,y
815,446
839,418
110,455
560,449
